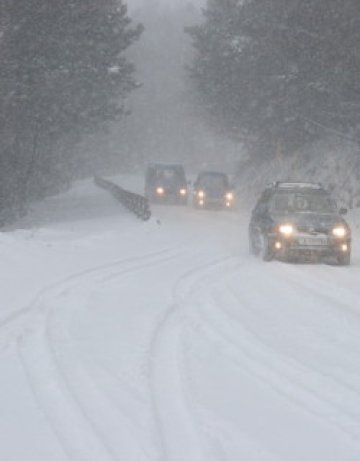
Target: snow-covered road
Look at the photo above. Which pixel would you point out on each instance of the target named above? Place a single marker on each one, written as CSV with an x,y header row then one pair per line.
x,y
166,341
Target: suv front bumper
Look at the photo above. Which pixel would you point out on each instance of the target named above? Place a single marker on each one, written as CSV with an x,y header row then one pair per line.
x,y
304,245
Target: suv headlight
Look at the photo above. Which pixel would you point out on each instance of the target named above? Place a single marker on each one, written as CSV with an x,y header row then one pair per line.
x,y
229,196
160,190
286,229
201,194
339,231
183,191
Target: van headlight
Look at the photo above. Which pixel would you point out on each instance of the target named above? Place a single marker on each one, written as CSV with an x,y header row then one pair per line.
x,y
160,190
229,196
339,231
201,194
183,191
286,229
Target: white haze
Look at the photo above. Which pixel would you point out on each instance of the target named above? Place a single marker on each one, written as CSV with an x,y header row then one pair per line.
x,y
164,111
165,123
133,4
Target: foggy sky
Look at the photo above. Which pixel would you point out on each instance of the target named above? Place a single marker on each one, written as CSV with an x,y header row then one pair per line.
x,y
165,124
134,4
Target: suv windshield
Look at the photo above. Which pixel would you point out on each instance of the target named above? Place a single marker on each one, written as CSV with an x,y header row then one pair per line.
x,y
213,181
290,202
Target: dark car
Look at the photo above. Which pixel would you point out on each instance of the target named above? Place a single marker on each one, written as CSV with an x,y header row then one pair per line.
x,y
166,183
292,221
212,190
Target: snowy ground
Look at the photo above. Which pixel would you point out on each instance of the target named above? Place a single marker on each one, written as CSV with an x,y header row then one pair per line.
x,y
166,341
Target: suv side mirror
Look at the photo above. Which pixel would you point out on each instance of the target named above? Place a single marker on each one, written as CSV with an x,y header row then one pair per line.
x,y
343,211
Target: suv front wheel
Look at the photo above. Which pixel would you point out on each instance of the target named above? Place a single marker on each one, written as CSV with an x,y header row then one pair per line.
x,y
259,245
265,250
344,260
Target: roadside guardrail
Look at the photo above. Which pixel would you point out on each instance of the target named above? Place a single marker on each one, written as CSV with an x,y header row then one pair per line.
x,y
136,203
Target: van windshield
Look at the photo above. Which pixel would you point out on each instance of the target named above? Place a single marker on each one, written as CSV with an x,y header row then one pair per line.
x,y
167,174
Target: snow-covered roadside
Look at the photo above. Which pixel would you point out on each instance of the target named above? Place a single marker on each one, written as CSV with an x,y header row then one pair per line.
x,y
64,239
333,162
166,341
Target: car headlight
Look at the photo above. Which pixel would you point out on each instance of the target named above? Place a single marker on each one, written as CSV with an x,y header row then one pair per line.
x,y
286,229
183,191
229,196
160,190
339,231
201,194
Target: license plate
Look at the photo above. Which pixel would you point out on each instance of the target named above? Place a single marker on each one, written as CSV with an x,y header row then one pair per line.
x,y
313,241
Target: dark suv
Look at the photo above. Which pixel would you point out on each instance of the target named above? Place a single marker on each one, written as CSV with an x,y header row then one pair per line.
x,y
212,190
166,183
299,220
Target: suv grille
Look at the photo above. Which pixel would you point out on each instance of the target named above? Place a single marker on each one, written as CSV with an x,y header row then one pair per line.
x,y
313,230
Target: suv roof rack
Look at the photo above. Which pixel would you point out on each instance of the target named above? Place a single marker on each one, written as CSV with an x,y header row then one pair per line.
x,y
211,172
295,185
163,164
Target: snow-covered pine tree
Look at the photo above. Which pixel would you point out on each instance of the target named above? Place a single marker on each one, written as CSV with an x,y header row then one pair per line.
x,y
63,73
279,72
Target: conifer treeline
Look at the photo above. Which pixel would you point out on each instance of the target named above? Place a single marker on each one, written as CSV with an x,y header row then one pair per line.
x,y
277,73
62,74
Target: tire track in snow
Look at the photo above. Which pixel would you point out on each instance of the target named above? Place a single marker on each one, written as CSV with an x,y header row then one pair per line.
x,y
289,378
92,401
52,388
71,425
12,325
331,307
172,408
344,301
